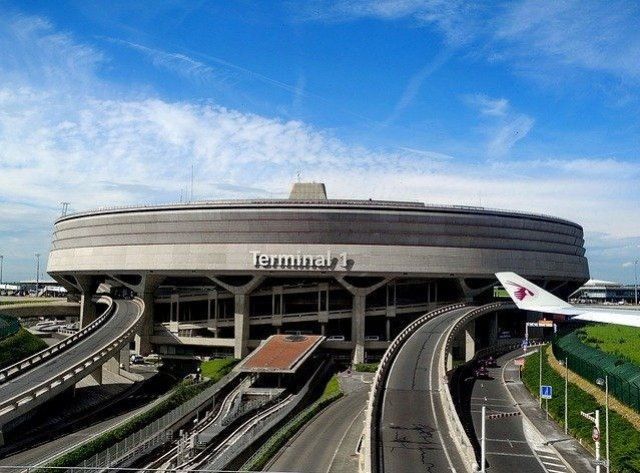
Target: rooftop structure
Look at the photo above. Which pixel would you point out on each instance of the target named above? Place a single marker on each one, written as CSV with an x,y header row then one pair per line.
x,y
281,354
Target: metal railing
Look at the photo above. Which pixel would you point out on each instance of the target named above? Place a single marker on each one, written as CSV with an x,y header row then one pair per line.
x,y
157,433
402,205
26,364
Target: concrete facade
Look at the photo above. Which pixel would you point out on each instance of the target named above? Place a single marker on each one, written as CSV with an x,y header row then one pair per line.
x,y
361,245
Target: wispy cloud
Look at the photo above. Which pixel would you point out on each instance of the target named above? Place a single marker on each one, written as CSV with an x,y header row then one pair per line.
x,y
454,18
540,37
504,126
415,83
179,63
497,107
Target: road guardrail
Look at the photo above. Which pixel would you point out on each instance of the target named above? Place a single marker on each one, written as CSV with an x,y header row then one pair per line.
x,y
26,364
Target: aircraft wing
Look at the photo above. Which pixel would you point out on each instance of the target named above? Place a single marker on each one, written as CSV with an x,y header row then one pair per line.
x,y
528,296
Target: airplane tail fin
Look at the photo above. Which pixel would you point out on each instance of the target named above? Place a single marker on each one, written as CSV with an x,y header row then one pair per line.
x,y
528,296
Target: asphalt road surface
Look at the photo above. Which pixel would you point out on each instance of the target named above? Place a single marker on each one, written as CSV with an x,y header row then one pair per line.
x,y
126,311
328,443
510,447
413,430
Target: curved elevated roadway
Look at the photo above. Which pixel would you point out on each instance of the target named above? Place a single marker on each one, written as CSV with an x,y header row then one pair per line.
x,y
43,380
414,432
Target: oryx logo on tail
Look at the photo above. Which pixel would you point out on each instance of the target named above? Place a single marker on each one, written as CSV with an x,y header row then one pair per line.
x,y
522,291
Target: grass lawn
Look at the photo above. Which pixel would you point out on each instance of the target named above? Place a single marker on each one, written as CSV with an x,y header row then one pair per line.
x,y
19,346
215,369
614,339
625,439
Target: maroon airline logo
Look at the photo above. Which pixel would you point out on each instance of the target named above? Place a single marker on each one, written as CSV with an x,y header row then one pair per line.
x,y
522,291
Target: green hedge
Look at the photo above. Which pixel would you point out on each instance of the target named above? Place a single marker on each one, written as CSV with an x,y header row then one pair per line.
x,y
332,392
19,346
366,367
8,326
214,369
625,439
180,395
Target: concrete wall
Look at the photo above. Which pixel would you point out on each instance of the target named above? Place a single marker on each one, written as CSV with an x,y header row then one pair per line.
x,y
377,238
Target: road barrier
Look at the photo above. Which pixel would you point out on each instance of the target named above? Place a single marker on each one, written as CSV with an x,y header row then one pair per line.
x,y
26,364
371,457
17,405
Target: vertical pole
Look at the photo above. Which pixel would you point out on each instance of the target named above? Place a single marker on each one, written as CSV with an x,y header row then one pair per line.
x,y
636,279
1,264
606,414
540,377
483,446
37,273
566,395
598,441
546,407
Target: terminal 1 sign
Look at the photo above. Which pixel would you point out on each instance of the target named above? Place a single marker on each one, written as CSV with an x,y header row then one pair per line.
x,y
299,261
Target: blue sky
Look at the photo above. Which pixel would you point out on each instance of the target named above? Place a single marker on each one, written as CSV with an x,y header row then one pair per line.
x,y
519,105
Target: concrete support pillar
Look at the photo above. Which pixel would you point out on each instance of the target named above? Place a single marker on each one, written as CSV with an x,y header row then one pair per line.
x,y
469,340
241,325
493,329
358,327
449,361
87,310
97,375
388,330
143,337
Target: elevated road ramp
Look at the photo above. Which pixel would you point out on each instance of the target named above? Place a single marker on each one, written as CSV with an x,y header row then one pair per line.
x,y
39,378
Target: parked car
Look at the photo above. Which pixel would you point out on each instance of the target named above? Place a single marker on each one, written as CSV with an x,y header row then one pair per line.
x,y
371,338
504,334
336,338
137,359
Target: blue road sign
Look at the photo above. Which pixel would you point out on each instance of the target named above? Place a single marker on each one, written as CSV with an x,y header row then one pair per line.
x,y
546,392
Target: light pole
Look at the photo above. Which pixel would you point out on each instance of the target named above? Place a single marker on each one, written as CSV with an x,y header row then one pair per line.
x,y
565,363
540,377
37,273
605,382
635,273
483,444
1,264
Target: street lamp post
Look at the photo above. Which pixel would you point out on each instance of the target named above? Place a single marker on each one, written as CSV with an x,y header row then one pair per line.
x,y
37,273
565,363
540,377
605,382
1,264
635,273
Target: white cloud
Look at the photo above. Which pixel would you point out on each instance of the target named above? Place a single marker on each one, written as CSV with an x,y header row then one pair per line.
x,y
96,145
497,107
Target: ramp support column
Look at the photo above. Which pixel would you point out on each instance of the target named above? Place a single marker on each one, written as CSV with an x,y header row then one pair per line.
x,y
357,327
143,337
87,309
241,325
469,341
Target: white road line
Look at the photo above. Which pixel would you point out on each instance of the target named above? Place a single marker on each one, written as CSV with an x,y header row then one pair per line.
x,y
335,453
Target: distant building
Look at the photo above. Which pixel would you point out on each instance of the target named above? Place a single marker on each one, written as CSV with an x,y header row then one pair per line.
x,y
48,288
596,291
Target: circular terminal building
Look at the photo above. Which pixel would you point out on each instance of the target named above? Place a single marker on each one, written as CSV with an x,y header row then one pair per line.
x,y
219,277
